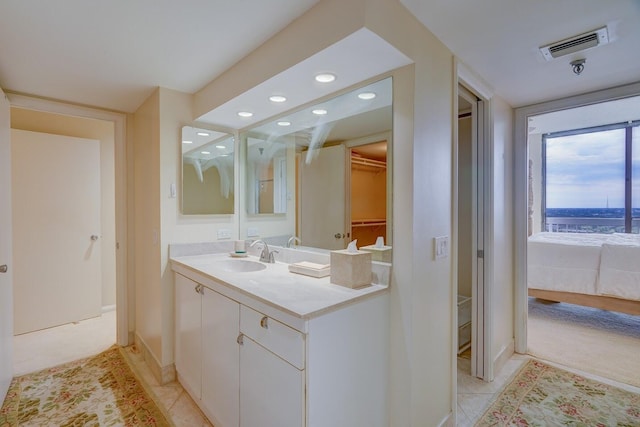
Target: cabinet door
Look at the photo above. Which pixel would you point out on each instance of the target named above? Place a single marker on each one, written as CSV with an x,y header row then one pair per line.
x,y
220,363
188,346
271,390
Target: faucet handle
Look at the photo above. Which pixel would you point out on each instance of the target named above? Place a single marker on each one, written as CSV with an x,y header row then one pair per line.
x,y
272,259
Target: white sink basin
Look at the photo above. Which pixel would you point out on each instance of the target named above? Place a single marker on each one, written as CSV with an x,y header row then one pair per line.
x,y
239,265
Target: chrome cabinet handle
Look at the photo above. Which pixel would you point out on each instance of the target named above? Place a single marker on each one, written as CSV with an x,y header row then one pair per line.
x,y
3,268
94,237
339,236
199,289
264,322
240,339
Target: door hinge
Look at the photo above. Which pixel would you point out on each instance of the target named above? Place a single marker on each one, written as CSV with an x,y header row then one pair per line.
x,y
481,253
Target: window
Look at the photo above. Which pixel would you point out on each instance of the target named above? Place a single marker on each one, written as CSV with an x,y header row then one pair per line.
x,y
591,179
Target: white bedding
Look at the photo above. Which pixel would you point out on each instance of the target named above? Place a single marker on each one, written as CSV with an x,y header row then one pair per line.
x,y
620,267
593,264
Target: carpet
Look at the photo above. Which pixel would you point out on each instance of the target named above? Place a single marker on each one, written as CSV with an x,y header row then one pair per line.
x,y
600,342
542,395
100,390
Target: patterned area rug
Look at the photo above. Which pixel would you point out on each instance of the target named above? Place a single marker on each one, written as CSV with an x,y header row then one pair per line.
x,y
542,395
97,391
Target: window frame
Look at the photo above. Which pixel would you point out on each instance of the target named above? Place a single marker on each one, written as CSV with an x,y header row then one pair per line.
x,y
628,161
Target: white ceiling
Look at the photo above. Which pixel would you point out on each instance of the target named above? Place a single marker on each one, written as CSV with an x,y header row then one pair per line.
x,y
112,54
499,40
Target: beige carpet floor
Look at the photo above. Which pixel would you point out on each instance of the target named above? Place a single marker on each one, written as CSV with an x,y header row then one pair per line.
x,y
596,341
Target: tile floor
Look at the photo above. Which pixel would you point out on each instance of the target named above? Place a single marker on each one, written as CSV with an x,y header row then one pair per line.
x,y
475,395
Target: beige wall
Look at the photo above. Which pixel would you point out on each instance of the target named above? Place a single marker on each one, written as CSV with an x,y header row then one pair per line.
x,y
502,292
146,229
158,221
58,124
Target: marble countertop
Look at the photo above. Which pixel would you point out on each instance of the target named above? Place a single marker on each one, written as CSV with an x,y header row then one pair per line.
x,y
300,296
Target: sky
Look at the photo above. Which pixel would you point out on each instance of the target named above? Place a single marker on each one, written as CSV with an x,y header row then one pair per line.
x,y
586,171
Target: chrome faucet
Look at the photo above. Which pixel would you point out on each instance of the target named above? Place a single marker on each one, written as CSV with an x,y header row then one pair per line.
x,y
293,239
265,254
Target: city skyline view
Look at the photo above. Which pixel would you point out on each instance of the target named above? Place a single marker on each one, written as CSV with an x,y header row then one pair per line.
x,y
588,170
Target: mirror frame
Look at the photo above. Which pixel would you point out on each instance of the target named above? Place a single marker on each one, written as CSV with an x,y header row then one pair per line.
x,y
230,133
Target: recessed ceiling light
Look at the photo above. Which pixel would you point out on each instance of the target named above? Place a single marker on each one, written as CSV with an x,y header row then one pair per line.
x,y
187,142
221,147
203,134
284,123
319,112
277,98
205,152
245,113
325,77
366,95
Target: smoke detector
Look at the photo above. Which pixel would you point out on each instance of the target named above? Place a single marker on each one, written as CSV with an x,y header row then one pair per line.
x,y
575,44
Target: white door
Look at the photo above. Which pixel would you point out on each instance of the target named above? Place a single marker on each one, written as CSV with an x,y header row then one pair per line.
x,y
322,199
271,390
220,358
56,229
6,266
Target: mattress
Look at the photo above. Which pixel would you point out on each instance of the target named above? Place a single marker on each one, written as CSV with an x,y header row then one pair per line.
x,y
620,267
593,264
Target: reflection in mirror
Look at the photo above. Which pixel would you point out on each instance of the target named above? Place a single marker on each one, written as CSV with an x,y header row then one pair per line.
x,y
324,170
267,176
207,171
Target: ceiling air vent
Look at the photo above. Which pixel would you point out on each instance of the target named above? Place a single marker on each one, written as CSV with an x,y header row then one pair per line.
x,y
575,44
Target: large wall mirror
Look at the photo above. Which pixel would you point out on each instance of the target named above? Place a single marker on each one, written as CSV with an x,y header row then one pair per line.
x,y
207,172
321,173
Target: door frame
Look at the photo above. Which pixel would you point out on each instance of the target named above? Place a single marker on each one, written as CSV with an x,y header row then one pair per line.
x,y
520,190
124,293
482,313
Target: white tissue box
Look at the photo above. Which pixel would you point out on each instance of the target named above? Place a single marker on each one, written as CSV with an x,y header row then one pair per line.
x,y
310,269
383,253
351,269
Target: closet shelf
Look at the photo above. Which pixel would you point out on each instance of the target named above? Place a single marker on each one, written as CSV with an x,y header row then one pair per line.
x,y
363,161
368,222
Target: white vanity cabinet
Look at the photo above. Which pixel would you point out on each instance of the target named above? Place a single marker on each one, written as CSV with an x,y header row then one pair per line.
x,y
207,354
272,377
265,365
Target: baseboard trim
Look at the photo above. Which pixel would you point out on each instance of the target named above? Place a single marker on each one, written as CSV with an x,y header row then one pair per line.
x,y
503,357
448,421
163,374
108,308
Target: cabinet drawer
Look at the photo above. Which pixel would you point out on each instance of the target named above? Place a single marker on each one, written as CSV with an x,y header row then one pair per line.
x,y
276,337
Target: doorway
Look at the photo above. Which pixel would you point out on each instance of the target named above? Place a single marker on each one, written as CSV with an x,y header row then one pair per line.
x,y
52,119
471,325
522,116
582,237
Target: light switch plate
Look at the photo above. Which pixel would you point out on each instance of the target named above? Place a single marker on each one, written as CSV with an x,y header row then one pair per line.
x,y
441,247
224,233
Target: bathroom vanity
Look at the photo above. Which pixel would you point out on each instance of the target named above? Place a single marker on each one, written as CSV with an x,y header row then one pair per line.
x,y
257,345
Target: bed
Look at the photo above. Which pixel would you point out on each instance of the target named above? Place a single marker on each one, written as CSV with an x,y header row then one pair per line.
x,y
596,270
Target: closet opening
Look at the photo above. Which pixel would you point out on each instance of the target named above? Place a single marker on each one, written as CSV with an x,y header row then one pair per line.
x,y
368,187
